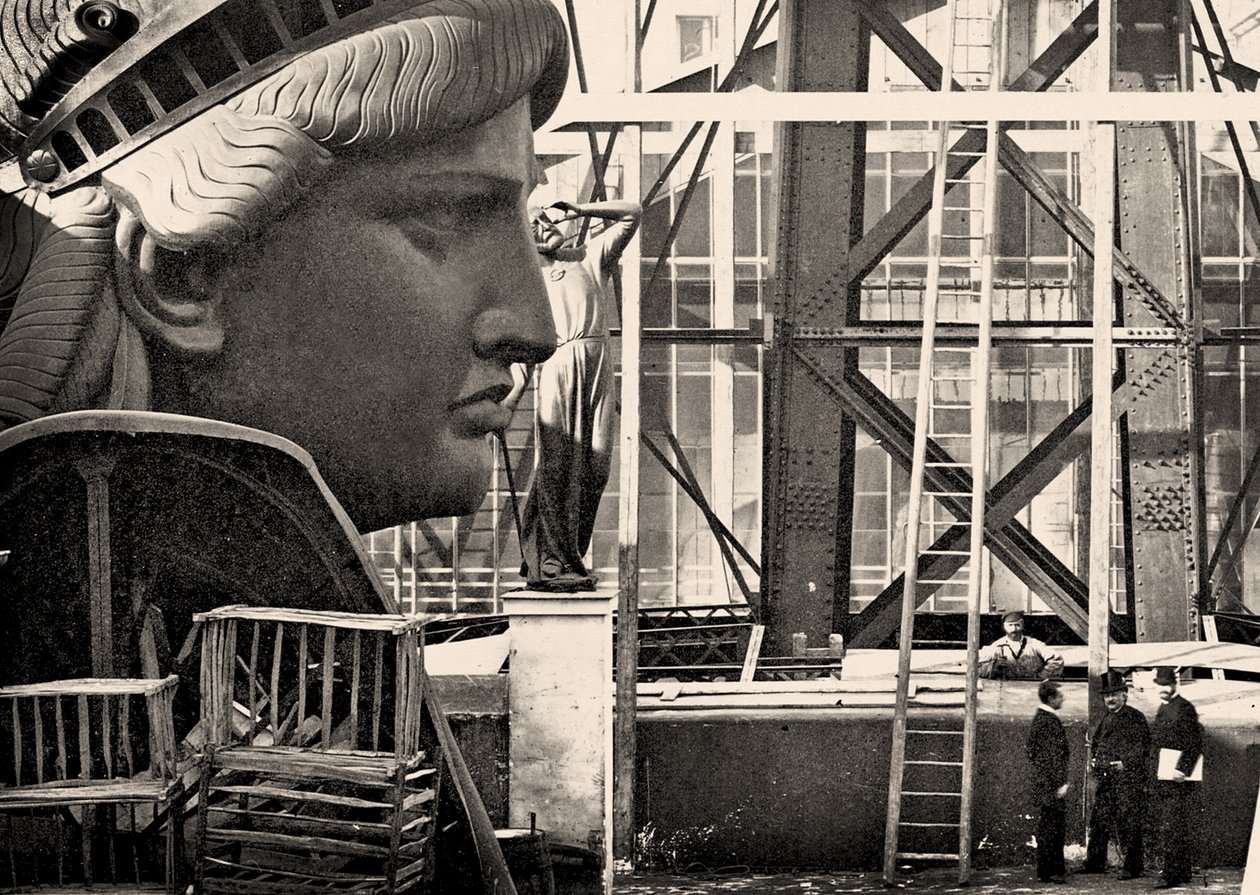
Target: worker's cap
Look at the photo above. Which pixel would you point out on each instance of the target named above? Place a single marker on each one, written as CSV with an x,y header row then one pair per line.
x,y
1165,676
1112,681
1015,615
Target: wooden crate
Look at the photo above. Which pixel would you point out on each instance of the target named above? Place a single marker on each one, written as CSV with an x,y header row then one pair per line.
x,y
88,778
315,777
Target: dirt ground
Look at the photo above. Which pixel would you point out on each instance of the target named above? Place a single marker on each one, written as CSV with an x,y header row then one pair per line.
x,y
1016,879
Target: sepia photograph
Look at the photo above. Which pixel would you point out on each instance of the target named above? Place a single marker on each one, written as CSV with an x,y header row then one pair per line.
x,y
664,447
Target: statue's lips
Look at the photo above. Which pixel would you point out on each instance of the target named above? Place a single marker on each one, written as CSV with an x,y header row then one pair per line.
x,y
481,413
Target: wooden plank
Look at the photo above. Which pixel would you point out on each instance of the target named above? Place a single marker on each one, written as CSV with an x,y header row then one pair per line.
x,y
107,736
301,823
415,799
326,693
91,686
413,849
302,845
17,743
276,649
390,623
252,672
124,722
242,886
1101,148
85,742
754,653
296,795
400,696
39,738
87,793
624,744
378,672
395,833
1211,636
301,685
356,676
324,764
60,721
323,875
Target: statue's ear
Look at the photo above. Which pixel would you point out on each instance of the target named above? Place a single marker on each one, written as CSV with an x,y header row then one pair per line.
x,y
168,295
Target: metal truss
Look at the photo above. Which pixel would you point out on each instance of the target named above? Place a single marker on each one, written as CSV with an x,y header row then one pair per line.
x,y
1018,549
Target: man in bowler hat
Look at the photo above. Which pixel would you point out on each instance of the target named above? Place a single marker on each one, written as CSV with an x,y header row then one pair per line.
x,y
1176,728
1119,748
1018,657
1047,749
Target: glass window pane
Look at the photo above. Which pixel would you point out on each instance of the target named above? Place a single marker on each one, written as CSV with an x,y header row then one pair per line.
x,y
1219,217
1048,236
693,235
657,308
745,215
654,227
1011,220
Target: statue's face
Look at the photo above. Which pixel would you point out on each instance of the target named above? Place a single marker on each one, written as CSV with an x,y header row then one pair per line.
x,y
375,324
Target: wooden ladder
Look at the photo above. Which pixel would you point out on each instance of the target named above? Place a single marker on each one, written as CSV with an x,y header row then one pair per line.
x,y
951,415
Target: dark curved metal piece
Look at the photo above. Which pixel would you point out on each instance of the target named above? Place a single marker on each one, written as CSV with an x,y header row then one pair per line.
x,y
70,51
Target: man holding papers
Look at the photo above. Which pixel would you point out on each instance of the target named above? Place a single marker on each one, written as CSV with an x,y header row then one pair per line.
x,y
1177,738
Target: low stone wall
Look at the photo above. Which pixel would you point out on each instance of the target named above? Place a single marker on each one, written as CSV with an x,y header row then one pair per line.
x,y
769,787
806,788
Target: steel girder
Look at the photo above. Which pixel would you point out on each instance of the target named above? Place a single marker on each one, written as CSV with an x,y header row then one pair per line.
x,y
1164,434
1010,541
809,441
1020,551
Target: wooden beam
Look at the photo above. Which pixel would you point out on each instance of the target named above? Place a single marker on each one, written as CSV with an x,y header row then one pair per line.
x,y
1102,151
623,745
836,106
749,670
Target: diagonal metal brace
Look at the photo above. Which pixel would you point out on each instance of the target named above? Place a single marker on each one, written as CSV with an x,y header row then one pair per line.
x,y
1041,466
911,208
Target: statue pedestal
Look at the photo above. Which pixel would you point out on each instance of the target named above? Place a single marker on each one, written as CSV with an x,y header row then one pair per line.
x,y
560,717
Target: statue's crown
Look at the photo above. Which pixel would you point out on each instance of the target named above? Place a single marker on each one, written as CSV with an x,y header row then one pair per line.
x,y
103,84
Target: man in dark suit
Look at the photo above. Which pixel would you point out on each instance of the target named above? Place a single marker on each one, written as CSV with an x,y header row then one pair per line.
x,y
1048,751
1176,728
1119,747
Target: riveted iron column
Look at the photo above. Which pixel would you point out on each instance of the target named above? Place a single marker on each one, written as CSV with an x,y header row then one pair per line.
x,y
824,45
1163,466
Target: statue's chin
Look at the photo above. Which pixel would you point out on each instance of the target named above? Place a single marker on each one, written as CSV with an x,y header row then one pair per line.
x,y
453,495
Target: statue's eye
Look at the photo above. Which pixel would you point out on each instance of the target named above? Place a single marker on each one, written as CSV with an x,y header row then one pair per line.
x,y
434,220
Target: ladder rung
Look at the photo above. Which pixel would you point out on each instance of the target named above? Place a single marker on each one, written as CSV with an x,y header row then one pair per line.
x,y
926,856
947,553
939,733
914,823
948,764
942,795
